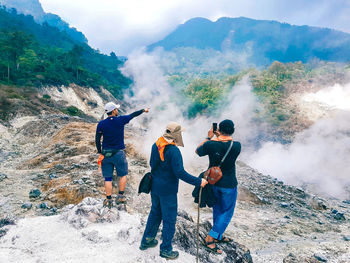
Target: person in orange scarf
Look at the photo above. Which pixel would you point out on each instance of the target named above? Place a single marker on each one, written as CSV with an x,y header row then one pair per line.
x,y
167,168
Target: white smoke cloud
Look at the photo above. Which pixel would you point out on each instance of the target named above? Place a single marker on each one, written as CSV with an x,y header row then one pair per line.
x,y
318,155
151,89
241,110
188,60
337,97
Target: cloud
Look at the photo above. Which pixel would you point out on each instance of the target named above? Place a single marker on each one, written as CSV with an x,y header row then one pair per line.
x,y
122,26
318,155
151,89
336,97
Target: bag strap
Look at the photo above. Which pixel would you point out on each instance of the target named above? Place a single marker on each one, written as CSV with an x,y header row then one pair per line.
x,y
223,159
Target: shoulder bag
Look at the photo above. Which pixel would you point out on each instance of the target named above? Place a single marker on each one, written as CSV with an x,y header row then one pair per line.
x,y
214,174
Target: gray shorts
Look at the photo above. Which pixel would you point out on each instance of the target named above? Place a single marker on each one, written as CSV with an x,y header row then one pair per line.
x,y
117,161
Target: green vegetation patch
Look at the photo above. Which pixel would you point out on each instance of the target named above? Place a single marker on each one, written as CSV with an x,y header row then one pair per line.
x,y
73,111
34,55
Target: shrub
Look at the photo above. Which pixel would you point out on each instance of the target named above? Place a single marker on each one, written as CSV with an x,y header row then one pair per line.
x,y
46,97
73,111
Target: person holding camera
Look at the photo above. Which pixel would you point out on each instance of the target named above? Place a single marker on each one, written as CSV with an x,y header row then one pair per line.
x,y
167,168
112,155
225,190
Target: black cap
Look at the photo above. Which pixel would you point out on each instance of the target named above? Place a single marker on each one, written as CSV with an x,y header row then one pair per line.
x,y
227,127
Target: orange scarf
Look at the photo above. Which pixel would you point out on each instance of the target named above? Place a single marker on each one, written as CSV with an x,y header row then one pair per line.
x,y
222,138
161,143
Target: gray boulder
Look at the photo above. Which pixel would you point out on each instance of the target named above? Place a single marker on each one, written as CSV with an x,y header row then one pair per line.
x,y
185,238
34,193
3,177
27,206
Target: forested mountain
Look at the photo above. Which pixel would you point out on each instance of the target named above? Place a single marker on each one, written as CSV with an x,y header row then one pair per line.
x,y
38,54
262,41
34,8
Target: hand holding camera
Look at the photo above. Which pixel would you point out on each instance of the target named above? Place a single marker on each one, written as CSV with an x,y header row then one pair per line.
x,y
213,131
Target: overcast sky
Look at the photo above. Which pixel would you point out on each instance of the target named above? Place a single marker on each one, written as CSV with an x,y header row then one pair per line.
x,y
122,25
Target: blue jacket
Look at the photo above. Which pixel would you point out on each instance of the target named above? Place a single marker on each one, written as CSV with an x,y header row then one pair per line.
x,y
112,131
166,174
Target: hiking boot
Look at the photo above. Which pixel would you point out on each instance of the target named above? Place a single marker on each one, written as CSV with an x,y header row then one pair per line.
x,y
108,203
120,199
150,242
169,254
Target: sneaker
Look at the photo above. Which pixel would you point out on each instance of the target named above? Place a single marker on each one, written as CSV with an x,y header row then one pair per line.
x,y
108,203
150,242
169,254
120,199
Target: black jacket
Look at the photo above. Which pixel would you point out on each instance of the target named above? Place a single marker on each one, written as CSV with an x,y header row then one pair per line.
x,y
208,198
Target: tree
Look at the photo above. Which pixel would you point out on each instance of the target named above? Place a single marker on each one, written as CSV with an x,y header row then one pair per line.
x,y
12,46
28,61
205,94
75,59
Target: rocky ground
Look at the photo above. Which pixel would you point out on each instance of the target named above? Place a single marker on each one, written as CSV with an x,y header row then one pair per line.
x,y
49,162
46,175
50,186
278,222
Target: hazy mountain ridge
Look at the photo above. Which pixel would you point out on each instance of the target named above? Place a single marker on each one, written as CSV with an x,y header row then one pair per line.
x,y
264,41
34,8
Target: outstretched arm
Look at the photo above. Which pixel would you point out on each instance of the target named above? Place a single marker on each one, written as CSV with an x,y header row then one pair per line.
x,y
179,171
136,113
129,117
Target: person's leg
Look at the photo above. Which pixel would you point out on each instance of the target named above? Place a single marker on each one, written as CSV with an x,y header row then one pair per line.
x,y
108,186
228,203
107,172
169,212
154,219
217,210
121,165
122,183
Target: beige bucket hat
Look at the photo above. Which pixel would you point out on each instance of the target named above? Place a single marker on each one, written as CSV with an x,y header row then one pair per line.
x,y
173,132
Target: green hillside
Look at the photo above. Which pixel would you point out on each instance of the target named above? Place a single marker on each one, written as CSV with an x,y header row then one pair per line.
x,y
32,54
34,8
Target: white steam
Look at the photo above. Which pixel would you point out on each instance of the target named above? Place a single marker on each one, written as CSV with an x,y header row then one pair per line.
x,y
152,90
241,108
337,97
318,155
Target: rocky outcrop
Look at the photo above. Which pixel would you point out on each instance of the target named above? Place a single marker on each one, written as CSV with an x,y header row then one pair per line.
x,y
185,238
90,211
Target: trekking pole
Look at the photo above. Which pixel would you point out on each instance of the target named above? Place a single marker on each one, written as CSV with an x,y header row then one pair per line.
x,y
199,203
